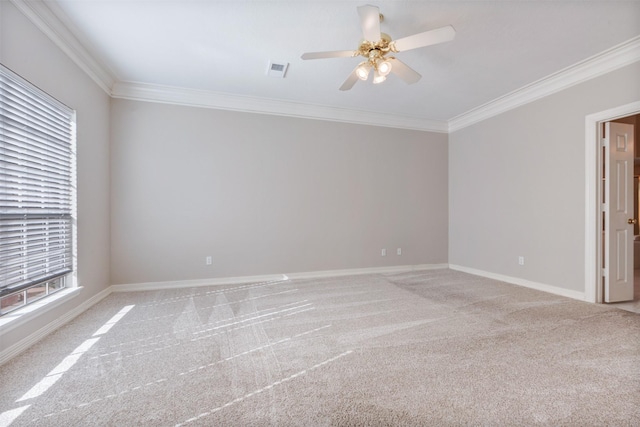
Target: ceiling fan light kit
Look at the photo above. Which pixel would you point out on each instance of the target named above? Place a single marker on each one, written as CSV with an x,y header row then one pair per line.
x,y
376,47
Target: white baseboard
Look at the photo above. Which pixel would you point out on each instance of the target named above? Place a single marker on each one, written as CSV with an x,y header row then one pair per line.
x,y
152,286
179,284
360,271
521,282
30,340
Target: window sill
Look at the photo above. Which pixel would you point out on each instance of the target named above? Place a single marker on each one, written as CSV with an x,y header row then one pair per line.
x,y
22,315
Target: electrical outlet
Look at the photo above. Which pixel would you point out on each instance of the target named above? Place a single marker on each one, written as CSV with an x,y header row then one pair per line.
x,y
209,260
399,251
383,252
521,260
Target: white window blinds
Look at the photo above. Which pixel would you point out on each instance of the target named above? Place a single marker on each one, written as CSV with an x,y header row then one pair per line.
x,y
36,185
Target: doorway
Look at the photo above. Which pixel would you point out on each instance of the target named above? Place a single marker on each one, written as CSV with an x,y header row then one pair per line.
x,y
596,276
634,305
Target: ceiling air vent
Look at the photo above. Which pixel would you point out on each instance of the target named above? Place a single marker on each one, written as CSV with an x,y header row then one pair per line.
x,y
277,69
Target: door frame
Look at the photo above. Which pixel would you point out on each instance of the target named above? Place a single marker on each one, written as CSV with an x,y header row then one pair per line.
x,y
593,212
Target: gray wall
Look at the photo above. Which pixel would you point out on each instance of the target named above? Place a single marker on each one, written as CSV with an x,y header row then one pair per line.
x,y
517,184
28,52
265,195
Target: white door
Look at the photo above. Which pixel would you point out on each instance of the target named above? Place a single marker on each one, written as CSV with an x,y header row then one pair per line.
x,y
618,284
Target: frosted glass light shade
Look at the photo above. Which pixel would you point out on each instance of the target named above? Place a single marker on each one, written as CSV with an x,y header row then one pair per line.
x,y
378,78
362,71
384,68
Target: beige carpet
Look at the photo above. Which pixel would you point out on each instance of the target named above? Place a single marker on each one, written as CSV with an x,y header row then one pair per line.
x,y
416,349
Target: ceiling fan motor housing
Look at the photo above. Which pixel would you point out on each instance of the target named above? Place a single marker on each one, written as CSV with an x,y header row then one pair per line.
x,y
379,48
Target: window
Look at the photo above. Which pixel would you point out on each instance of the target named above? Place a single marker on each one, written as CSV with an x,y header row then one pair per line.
x,y
37,193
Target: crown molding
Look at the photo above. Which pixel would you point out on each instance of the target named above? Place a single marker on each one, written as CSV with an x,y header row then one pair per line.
x,y
42,15
611,59
224,101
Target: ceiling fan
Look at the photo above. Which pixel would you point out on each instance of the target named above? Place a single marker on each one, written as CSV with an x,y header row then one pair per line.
x,y
379,48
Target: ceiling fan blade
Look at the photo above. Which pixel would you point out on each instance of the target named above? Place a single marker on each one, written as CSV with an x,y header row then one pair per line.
x,y
427,38
331,54
402,70
351,80
370,22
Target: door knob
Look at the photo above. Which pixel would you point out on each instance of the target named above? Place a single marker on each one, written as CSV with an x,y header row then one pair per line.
x,y
632,221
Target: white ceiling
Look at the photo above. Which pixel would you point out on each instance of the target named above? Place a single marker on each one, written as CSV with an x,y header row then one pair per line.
x,y
225,46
